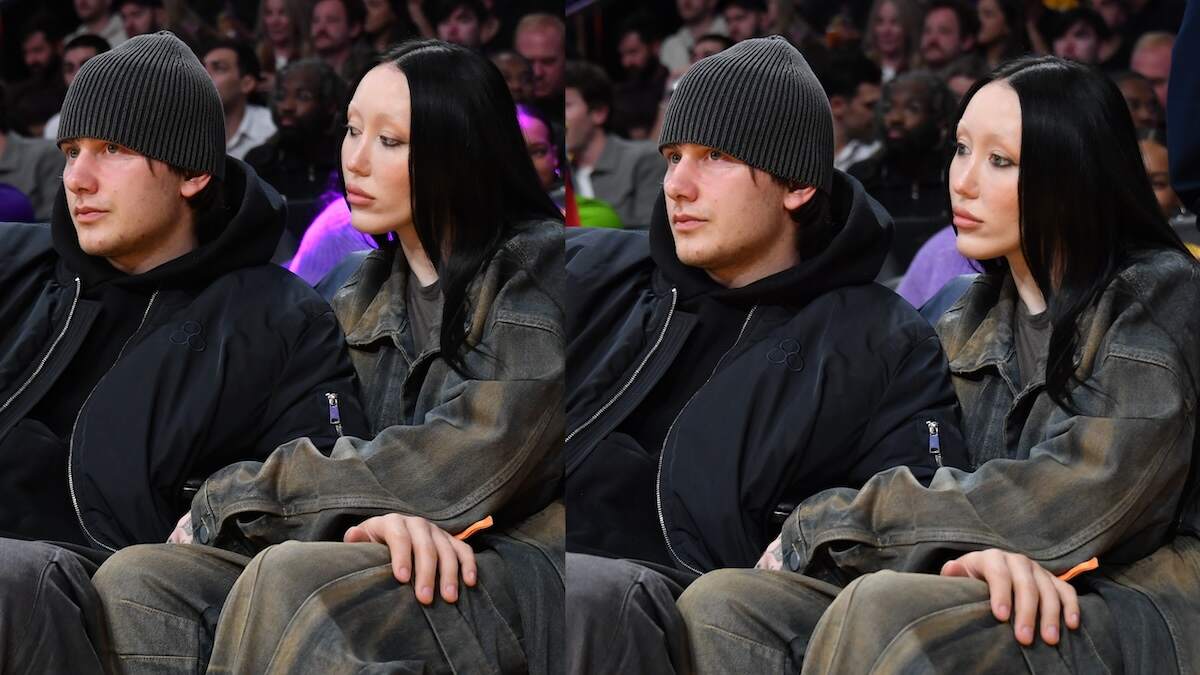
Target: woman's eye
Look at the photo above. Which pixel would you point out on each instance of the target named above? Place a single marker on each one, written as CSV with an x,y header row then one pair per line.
x,y
351,131
960,149
388,142
999,162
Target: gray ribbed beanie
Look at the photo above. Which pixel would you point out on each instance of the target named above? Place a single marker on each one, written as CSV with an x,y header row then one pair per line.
x,y
151,95
757,101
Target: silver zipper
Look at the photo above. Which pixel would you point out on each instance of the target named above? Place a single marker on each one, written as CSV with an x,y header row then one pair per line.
x,y
658,481
46,358
71,443
935,441
620,392
335,414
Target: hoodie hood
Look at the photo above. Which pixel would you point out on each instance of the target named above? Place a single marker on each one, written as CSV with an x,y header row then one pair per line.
x,y
242,232
855,256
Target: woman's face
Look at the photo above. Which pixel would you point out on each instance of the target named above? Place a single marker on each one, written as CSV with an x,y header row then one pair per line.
x,y
541,149
992,26
375,153
277,22
1154,157
984,173
889,33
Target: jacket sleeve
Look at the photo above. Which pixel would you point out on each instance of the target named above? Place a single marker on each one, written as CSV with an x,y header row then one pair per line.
x,y
1183,109
492,447
1106,482
899,433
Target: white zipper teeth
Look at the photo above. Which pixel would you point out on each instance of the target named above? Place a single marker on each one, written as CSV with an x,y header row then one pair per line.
x,y
620,392
46,357
662,522
71,443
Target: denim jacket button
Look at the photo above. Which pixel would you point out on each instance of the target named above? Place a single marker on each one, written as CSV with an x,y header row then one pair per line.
x,y
201,534
792,558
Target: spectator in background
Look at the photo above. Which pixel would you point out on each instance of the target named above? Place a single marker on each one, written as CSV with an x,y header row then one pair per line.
x,y
1152,59
36,98
950,30
542,40
517,74
75,53
963,73
1116,48
893,36
141,16
15,206
707,45
96,17
459,22
386,24
32,165
1139,95
625,174
699,18
336,31
233,68
745,19
539,140
636,97
1001,31
852,86
1154,156
908,176
282,32
301,159
1076,35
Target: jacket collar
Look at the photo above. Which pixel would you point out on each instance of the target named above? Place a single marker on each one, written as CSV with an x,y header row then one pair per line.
x,y
377,299
990,341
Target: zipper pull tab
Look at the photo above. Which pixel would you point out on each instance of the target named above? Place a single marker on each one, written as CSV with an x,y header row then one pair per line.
x,y
935,441
335,415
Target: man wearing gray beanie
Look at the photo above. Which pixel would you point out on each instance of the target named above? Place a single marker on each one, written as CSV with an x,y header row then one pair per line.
x,y
147,343
732,361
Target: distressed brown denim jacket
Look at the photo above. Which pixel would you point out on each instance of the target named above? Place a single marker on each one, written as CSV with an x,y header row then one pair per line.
x,y
1117,481
452,449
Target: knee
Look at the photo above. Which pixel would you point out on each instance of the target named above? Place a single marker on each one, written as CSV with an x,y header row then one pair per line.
x,y
27,567
128,571
605,587
717,595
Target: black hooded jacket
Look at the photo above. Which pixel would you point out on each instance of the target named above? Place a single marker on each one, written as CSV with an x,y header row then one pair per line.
x,y
118,392
818,378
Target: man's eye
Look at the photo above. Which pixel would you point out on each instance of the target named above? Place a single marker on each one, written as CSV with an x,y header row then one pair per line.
x,y
112,148
715,154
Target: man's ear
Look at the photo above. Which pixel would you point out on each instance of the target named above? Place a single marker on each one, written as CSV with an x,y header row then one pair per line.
x,y
798,196
837,105
190,187
599,115
247,84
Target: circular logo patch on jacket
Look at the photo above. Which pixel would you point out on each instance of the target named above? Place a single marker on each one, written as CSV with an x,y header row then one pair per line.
x,y
787,354
191,334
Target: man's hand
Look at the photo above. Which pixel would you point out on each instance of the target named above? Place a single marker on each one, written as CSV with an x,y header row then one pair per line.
x,y
417,543
1016,581
182,534
772,558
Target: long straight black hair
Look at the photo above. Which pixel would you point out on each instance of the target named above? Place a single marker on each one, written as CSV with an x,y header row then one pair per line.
x,y
1086,205
471,177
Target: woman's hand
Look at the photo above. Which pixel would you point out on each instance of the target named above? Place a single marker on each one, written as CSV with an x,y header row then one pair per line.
x,y
417,544
1022,589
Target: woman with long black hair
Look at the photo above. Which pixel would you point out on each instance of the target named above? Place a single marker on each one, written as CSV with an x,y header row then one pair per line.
x,y
1076,360
455,329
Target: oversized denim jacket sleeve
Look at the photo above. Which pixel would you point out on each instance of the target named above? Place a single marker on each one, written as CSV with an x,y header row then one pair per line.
x,y
1108,482
486,445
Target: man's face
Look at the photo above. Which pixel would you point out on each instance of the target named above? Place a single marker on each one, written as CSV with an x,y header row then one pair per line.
x,y
725,218
73,60
38,53
635,54
1143,104
298,110
1154,64
461,27
543,49
126,209
582,123
1079,43
942,41
138,19
692,11
331,29
232,85
705,48
743,23
90,10
858,117
517,76
908,123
